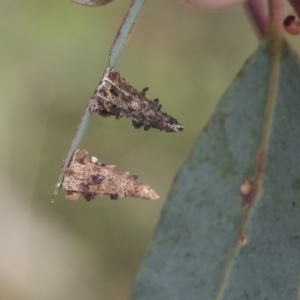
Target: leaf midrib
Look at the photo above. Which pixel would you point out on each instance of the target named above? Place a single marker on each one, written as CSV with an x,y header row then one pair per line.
x,y
276,46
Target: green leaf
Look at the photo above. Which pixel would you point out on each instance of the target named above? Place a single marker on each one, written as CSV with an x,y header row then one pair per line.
x,y
212,242
92,2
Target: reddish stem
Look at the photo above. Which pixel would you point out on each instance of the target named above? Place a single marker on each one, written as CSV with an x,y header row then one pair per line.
x,y
276,15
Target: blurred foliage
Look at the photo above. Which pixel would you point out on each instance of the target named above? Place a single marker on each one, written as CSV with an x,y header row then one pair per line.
x,y
53,55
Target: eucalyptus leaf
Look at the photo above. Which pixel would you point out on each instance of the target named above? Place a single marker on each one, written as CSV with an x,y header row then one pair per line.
x,y
230,228
92,2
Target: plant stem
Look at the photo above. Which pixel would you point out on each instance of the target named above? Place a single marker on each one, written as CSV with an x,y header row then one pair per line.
x,y
276,16
79,134
124,31
296,5
259,15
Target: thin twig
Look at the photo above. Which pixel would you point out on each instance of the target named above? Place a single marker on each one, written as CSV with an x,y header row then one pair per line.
x,y
125,29
79,134
276,16
259,15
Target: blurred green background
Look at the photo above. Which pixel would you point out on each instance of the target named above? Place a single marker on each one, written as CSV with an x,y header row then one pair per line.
x,y
52,57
